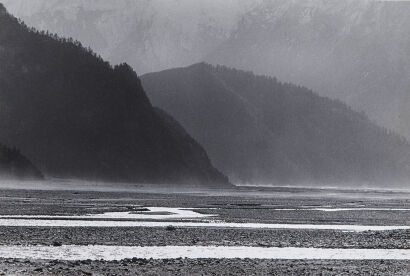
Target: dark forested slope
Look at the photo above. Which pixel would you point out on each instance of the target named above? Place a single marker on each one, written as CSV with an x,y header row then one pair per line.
x,y
14,165
259,130
75,115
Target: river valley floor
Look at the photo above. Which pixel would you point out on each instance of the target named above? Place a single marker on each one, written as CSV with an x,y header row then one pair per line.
x,y
140,231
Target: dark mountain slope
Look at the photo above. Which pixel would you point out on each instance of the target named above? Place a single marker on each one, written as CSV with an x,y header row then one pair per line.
x,y
357,51
76,116
14,165
259,130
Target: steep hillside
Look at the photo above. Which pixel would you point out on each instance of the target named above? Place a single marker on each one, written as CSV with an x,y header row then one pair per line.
x,y
258,130
149,35
353,50
357,51
74,115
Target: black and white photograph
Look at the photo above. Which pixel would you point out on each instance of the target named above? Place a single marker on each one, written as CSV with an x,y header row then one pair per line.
x,y
204,137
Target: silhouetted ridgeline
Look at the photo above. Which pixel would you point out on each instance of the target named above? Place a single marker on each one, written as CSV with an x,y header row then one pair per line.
x,y
259,130
14,165
76,116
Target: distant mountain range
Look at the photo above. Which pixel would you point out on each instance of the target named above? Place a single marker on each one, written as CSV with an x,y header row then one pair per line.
x,y
259,130
74,115
354,50
149,35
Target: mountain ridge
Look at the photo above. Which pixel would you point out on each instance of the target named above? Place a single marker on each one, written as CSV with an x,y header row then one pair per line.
x,y
259,130
352,50
77,116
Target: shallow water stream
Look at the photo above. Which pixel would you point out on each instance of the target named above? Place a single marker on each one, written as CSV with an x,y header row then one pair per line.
x,y
166,216
109,253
